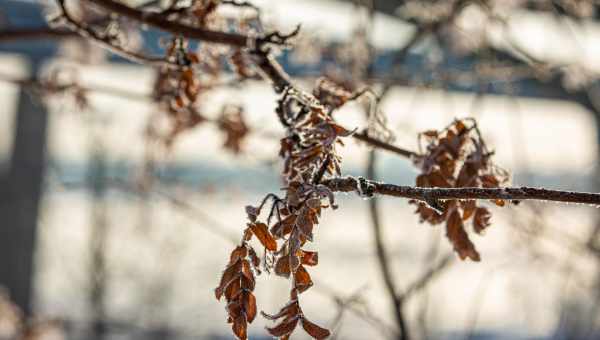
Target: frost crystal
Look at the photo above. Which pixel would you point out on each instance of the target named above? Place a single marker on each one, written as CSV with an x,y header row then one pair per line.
x,y
364,188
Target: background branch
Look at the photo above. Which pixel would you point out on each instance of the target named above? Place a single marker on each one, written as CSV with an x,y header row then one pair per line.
x,y
382,258
86,31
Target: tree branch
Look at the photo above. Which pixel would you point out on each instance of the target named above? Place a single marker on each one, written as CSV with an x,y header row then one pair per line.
x,y
269,67
369,188
265,61
86,31
364,137
427,277
16,34
157,20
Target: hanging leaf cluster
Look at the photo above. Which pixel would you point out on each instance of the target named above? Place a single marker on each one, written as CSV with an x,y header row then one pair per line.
x,y
457,157
310,156
177,90
232,123
193,73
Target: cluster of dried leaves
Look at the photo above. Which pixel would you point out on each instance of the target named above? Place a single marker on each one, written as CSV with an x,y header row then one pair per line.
x,y
198,71
177,89
238,282
454,157
457,157
232,123
309,153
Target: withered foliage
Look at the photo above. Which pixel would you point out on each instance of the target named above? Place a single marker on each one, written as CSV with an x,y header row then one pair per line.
x,y
178,89
331,94
309,154
238,282
233,125
457,157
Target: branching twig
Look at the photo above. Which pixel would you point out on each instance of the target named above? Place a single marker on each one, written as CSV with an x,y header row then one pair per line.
x,y
207,222
426,277
86,31
360,310
269,67
157,20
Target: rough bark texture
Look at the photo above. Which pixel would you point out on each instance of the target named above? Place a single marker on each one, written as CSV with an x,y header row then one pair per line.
x,y
20,199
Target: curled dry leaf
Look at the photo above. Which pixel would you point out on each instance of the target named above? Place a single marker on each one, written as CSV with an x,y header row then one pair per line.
x,y
240,327
331,94
310,258
302,279
286,327
481,220
232,123
241,65
458,237
314,330
262,233
249,305
283,227
252,213
177,90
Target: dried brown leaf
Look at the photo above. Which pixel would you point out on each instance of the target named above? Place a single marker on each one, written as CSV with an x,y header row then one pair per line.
x,y
233,289
284,328
302,278
283,227
481,220
457,235
310,258
262,233
436,179
252,213
249,303
288,310
314,330
305,225
282,266
240,327
229,274
468,208
238,253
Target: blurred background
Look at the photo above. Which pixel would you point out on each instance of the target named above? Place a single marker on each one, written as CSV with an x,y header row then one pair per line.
x,y
105,233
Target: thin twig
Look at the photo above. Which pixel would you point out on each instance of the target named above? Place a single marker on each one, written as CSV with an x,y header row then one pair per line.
x,y
382,257
86,31
385,330
427,277
207,222
364,137
264,60
18,34
157,20
348,184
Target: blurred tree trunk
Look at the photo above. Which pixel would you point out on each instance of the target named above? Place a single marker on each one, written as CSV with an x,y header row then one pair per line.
x,y
98,238
20,199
